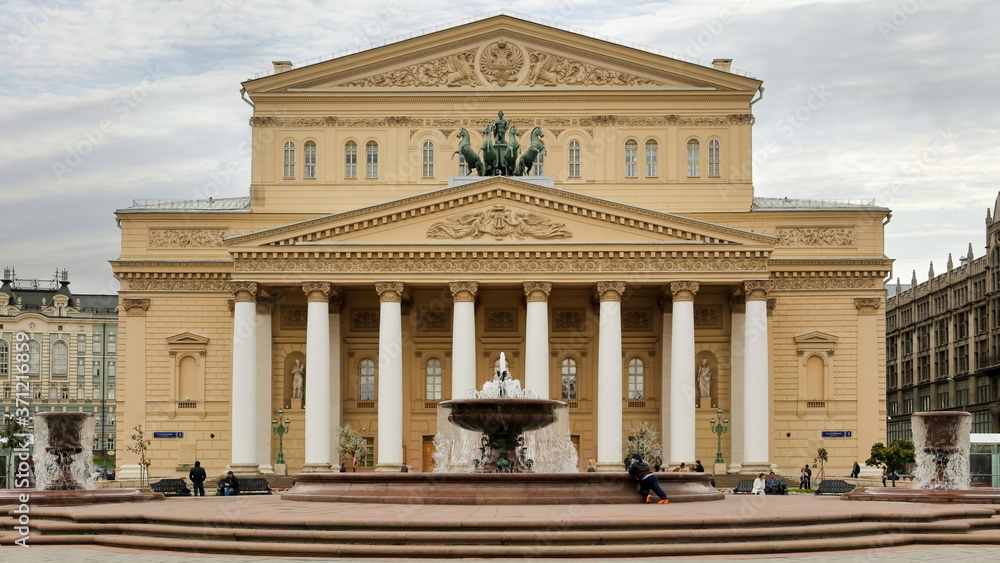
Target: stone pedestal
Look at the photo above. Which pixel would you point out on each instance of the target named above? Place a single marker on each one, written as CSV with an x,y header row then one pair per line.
x,y
280,469
719,469
295,404
704,403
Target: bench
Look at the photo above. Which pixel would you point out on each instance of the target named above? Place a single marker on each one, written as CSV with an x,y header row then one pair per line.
x,y
834,487
171,488
249,486
744,487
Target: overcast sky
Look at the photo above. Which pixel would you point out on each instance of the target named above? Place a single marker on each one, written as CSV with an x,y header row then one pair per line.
x,y
104,102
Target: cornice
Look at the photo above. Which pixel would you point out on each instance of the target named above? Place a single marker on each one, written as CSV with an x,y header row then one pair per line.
x,y
496,97
538,196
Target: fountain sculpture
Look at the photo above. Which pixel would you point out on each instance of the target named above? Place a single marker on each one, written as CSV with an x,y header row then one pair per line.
x,y
941,445
64,465
513,466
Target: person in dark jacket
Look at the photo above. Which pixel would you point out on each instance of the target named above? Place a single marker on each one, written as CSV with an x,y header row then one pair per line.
x,y
648,483
197,476
230,484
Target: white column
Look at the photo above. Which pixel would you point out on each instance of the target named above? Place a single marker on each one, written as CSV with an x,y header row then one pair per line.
x,y
682,374
264,414
737,341
756,380
390,377
463,339
609,378
336,303
666,342
536,339
244,387
317,400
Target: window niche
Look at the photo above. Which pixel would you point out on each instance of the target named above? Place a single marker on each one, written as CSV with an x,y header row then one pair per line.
x,y
815,352
187,354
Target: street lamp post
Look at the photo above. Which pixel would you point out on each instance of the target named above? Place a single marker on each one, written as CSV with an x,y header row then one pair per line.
x,y
719,426
280,429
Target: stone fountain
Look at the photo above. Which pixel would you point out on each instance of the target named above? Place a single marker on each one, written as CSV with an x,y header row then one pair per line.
x,y
64,466
941,446
509,465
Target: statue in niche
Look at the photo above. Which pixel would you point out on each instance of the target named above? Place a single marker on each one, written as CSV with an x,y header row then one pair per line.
x,y
298,379
705,380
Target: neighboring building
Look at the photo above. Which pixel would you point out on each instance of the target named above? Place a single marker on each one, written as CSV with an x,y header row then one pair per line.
x,y
635,255
943,342
72,350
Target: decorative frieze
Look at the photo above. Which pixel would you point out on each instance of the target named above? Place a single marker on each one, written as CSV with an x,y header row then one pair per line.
x,y
816,236
819,283
457,69
637,320
179,284
186,238
499,223
549,70
709,316
294,318
568,319
364,319
501,320
433,320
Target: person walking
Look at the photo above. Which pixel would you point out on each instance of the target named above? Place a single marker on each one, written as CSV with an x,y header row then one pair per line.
x,y
230,484
648,483
809,476
197,476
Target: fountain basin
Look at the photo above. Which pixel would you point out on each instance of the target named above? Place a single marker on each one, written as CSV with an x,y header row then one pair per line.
x,y
494,488
11,497
492,416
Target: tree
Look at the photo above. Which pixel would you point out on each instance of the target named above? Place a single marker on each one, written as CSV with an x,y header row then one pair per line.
x,y
140,447
821,458
894,457
646,442
13,436
352,444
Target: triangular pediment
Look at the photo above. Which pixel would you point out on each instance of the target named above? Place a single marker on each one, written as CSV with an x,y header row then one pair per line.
x,y
503,211
816,339
187,339
504,53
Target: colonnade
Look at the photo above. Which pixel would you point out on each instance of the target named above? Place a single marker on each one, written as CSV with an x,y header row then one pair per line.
x,y
750,379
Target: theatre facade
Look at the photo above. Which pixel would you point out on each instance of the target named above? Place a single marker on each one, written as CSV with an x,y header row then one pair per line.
x,y
627,269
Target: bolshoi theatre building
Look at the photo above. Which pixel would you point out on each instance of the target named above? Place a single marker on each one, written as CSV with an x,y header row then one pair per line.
x,y
418,208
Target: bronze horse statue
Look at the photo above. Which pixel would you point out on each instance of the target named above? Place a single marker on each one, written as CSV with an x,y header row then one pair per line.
x,y
491,158
508,160
536,148
465,151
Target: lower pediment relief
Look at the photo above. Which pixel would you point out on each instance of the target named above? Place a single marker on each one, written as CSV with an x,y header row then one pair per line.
x,y
499,223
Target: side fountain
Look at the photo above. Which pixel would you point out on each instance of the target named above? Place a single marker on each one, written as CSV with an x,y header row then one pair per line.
x,y
941,447
63,466
497,423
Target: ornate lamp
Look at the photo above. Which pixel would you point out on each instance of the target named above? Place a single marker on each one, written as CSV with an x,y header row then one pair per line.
x,y
719,426
280,429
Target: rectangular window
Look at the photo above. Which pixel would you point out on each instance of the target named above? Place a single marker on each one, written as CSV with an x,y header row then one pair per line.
x,y
433,388
538,169
81,344
631,168
961,397
714,160
80,393
982,422
427,160
371,161
925,403
111,392
983,394
907,406
574,159
692,158
4,357
112,371
463,166
351,161
369,460
112,344
651,158
81,368
367,388
309,166
98,345
942,401
53,393
289,161
568,387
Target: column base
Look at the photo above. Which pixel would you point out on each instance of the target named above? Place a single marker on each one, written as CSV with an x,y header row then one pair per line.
x,y
610,466
266,469
754,468
316,468
241,469
388,467
734,468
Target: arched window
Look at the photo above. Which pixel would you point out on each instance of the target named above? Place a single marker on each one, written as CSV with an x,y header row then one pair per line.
x,y
351,160
60,358
371,160
574,159
636,379
568,371
309,172
4,358
815,379
714,162
651,157
432,372
427,160
463,166
366,380
34,357
631,168
693,148
187,379
289,160
538,168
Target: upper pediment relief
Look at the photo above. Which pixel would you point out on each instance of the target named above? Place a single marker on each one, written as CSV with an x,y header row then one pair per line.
x,y
503,210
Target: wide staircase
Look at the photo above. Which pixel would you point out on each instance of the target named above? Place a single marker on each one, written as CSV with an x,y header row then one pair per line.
x,y
747,527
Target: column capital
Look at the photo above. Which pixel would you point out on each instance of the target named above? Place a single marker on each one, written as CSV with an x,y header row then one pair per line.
x,y
336,304
537,291
135,307
265,305
666,301
243,291
867,305
317,292
756,290
738,302
610,291
463,292
389,292
683,290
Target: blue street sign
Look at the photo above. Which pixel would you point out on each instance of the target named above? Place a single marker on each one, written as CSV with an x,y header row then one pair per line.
x,y
168,434
836,433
